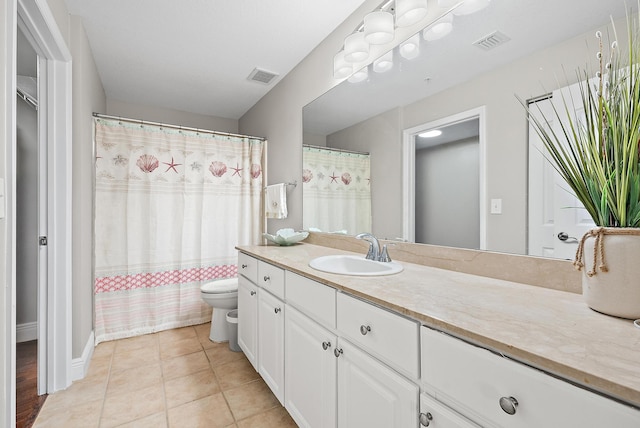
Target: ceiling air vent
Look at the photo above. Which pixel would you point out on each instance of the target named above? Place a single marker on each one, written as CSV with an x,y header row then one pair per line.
x,y
492,40
262,76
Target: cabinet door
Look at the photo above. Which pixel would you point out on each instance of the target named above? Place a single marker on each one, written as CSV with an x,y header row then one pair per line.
x,y
310,381
372,395
248,319
271,342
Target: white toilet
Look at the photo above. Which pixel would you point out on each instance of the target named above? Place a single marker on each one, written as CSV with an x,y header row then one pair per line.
x,y
222,296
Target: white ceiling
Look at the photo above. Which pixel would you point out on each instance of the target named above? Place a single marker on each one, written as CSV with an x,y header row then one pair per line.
x,y
195,55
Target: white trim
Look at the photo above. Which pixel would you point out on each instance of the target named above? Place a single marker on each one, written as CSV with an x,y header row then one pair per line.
x,y
80,366
26,332
408,168
39,26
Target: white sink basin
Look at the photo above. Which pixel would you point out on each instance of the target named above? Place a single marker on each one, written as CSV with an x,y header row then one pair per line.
x,y
354,265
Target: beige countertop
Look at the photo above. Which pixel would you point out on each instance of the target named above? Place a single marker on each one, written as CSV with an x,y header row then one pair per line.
x,y
549,329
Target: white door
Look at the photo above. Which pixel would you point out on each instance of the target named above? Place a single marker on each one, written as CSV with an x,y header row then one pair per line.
x,y
557,220
372,395
311,368
271,342
248,319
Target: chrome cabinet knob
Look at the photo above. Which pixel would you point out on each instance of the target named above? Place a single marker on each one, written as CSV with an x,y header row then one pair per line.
x,y
337,352
509,405
425,419
364,329
266,278
277,310
253,293
326,345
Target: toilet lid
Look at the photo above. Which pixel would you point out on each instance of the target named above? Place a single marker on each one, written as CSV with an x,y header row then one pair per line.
x,y
220,286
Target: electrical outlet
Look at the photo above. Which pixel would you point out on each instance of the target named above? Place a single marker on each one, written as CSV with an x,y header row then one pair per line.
x,y
496,206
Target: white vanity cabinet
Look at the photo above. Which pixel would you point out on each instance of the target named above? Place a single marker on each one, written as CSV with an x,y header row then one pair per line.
x,y
498,392
271,313
248,321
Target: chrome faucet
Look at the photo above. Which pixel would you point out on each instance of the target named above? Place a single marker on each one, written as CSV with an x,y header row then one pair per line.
x,y
374,246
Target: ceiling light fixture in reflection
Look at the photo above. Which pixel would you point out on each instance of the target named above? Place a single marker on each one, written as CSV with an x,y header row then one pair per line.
x,y
384,63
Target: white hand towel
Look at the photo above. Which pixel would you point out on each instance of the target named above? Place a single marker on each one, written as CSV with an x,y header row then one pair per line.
x,y
276,201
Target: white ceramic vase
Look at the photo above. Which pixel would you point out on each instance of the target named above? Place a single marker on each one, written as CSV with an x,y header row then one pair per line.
x,y
617,291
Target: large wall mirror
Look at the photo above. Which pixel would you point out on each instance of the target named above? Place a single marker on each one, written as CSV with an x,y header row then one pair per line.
x,y
466,85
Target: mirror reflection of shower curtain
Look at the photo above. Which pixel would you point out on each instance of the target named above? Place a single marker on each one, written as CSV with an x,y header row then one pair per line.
x,y
336,190
171,205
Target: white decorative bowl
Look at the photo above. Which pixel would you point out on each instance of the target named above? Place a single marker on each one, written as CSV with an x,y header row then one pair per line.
x,y
286,237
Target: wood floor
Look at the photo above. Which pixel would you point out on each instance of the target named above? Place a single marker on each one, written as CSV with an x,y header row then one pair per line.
x,y
28,403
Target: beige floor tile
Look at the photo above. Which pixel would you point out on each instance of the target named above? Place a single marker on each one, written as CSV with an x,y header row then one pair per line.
x,y
219,354
184,365
189,388
84,415
132,405
277,417
178,347
136,378
82,391
203,331
99,368
137,342
158,420
250,399
208,412
235,373
104,349
133,358
176,334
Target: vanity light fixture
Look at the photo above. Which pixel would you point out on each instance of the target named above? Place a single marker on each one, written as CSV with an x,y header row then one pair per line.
x,y
430,134
410,48
359,75
378,27
384,63
341,68
439,29
356,48
408,12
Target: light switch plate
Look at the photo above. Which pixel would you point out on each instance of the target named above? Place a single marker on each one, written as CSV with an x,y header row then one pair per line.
x,y
496,206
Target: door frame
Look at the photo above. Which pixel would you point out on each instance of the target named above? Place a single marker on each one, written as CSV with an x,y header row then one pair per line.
x,y
38,24
409,167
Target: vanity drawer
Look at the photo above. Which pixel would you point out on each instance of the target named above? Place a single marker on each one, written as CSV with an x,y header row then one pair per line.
x,y
475,381
389,336
271,278
248,267
316,300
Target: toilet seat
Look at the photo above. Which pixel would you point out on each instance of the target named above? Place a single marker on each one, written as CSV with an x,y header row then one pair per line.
x,y
220,286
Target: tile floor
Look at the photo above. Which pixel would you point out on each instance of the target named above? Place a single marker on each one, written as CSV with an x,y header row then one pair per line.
x,y
175,378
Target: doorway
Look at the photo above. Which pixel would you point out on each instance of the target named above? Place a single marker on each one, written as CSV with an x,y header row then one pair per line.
x,y
444,181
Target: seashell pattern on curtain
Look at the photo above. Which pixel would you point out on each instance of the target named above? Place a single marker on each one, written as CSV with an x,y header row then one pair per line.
x,y
170,208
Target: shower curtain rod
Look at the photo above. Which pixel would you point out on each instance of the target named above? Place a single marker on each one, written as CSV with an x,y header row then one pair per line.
x,y
310,146
167,125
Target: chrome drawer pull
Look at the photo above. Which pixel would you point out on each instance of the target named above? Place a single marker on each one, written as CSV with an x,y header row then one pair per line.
x,y
326,345
244,266
276,310
337,352
253,293
509,405
266,278
425,419
364,329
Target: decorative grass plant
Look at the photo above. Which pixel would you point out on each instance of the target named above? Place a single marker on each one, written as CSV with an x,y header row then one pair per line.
x,y
597,155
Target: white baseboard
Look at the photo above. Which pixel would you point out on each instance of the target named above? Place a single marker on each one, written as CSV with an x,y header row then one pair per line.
x,y
80,366
26,332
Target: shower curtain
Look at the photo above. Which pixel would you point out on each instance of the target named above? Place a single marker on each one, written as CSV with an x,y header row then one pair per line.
x,y
336,190
170,206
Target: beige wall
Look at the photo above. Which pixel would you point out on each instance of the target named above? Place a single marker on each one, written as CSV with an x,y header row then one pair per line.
x,y
88,97
278,115
170,116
